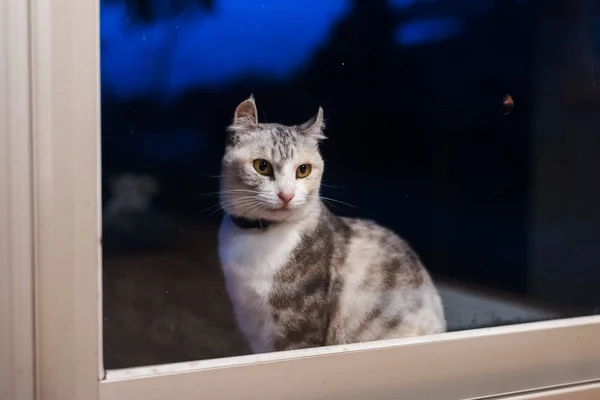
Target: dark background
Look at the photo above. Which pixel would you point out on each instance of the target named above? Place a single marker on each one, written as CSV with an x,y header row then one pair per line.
x,y
420,136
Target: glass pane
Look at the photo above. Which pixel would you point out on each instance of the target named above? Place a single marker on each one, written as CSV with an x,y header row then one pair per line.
x,y
468,127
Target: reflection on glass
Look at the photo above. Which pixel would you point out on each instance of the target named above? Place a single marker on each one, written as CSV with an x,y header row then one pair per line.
x,y
466,127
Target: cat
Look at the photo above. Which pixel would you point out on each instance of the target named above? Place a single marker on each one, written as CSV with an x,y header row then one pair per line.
x,y
298,275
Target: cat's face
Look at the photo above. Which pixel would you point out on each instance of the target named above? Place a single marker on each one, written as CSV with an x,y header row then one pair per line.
x,y
271,171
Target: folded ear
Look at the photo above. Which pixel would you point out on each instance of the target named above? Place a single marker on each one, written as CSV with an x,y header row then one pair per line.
x,y
314,127
246,113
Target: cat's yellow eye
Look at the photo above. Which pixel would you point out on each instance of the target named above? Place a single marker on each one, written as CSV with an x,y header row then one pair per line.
x,y
303,171
263,167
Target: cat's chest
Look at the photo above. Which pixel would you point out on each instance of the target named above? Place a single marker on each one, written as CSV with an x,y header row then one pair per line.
x,y
250,260
255,254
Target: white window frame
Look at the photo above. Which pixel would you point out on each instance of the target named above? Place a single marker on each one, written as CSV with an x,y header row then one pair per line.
x,y
50,268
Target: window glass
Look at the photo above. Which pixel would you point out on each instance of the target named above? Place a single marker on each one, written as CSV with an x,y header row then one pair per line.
x,y
468,127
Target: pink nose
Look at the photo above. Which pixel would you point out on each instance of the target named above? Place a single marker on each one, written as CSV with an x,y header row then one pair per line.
x,y
286,197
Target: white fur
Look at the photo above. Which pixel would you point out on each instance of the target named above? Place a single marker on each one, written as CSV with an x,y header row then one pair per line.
x,y
356,301
250,258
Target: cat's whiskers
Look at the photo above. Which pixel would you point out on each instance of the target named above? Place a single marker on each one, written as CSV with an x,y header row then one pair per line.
x,y
218,209
333,200
219,176
252,208
222,192
229,202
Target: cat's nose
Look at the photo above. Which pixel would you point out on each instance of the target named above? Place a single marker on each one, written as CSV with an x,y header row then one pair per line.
x,y
286,197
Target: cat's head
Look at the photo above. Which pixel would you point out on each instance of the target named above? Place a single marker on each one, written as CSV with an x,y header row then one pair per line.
x,y
271,171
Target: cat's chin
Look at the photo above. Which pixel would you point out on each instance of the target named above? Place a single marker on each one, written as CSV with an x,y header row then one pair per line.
x,y
281,214
284,214
293,213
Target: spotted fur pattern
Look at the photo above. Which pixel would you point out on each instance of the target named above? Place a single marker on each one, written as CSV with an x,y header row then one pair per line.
x,y
311,278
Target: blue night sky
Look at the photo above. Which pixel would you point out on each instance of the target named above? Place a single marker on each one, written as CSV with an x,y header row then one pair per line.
x,y
269,38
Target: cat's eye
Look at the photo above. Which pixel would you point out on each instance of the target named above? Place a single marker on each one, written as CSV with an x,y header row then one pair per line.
x,y
263,167
303,170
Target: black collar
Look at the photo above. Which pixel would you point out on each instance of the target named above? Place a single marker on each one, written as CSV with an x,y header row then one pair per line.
x,y
245,223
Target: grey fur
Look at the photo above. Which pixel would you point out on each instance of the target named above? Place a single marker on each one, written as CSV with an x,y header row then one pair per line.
x,y
320,279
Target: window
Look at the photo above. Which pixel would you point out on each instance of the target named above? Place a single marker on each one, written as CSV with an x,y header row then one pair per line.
x,y
487,171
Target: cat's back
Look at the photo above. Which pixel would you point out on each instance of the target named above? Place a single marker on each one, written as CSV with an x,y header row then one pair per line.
x,y
386,292
376,251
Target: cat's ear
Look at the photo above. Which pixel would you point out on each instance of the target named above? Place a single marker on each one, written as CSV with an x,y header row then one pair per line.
x,y
315,126
246,113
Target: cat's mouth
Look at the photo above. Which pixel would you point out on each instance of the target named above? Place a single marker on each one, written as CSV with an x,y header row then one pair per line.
x,y
281,208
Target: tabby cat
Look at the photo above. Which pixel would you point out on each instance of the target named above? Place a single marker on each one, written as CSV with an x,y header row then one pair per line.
x,y
298,275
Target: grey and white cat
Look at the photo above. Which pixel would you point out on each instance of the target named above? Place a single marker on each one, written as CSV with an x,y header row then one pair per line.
x,y
298,275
